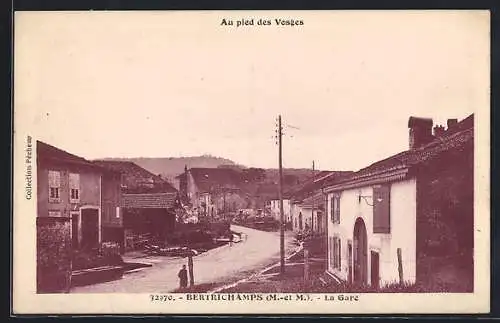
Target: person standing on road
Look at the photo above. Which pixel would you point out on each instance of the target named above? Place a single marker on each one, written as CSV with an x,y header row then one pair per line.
x,y
183,278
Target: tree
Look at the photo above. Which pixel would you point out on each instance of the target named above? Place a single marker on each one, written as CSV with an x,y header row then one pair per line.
x,y
254,174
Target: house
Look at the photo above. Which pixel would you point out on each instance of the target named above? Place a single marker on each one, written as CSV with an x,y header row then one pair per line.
x,y
275,209
150,205
149,217
135,179
73,189
308,202
213,191
408,217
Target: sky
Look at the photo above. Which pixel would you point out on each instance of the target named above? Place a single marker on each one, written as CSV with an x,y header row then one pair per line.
x,y
170,84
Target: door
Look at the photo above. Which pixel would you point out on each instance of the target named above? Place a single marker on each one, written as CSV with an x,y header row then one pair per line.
x,y
300,220
319,223
90,228
74,230
360,252
375,277
349,261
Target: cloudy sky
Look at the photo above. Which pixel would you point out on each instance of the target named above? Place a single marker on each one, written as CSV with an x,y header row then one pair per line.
x,y
168,84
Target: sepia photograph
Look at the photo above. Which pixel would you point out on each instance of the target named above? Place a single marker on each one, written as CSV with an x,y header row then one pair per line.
x,y
251,161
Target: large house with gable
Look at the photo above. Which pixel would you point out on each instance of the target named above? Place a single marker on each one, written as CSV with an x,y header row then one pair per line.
x,y
408,217
149,204
74,190
213,191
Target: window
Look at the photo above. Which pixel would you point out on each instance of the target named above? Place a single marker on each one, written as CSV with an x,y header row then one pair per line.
x,y
74,187
381,209
332,210
55,213
335,209
339,253
335,253
54,186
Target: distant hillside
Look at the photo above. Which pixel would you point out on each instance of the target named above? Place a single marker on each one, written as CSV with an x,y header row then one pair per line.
x,y
169,167
261,182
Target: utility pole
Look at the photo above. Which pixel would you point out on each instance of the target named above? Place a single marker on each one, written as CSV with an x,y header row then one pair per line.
x,y
280,194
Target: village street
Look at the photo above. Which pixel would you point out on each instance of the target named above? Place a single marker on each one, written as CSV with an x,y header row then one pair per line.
x,y
224,264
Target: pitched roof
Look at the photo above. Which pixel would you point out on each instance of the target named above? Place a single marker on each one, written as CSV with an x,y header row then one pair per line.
x,y
207,179
125,167
136,174
316,200
452,139
49,154
314,183
150,201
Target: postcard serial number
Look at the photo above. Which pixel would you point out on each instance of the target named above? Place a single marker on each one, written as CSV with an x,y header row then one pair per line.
x,y
161,298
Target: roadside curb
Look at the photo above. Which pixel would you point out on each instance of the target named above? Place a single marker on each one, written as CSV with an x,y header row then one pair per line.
x,y
216,290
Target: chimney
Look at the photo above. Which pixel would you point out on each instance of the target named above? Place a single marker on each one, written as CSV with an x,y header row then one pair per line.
x,y
451,123
420,131
438,131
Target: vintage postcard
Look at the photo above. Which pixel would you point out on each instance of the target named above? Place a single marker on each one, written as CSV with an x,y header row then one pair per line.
x,y
251,162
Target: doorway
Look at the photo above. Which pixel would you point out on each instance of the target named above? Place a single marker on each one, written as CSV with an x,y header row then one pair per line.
x,y
74,229
375,265
90,228
360,252
349,261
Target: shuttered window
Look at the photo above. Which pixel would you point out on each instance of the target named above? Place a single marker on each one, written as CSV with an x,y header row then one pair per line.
x,y
335,251
337,209
381,209
332,209
339,254
74,187
54,186
331,249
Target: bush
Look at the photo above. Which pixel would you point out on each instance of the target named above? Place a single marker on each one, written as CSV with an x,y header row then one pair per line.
x,y
53,255
110,249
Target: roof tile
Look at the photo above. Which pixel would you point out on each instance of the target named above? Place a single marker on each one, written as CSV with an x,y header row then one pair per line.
x,y
149,201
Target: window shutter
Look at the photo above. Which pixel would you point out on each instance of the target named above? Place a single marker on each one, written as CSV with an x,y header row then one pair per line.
x,y
381,209
340,253
332,252
334,246
332,209
330,246
74,181
54,179
337,209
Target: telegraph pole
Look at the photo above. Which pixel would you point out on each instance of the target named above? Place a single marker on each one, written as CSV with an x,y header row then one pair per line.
x,y
280,194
